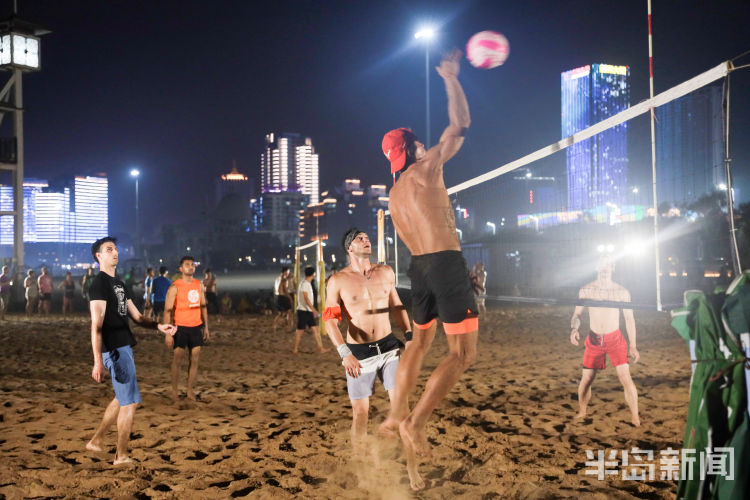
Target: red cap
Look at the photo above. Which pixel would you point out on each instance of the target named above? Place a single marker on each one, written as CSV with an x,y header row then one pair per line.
x,y
394,147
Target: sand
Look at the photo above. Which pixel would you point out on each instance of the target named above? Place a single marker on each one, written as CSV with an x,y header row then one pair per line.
x,y
271,424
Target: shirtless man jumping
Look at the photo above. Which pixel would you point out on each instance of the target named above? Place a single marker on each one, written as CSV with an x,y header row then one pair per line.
x,y
605,337
440,283
363,294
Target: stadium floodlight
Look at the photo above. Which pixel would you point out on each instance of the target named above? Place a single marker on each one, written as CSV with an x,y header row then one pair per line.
x,y
722,187
426,32
600,248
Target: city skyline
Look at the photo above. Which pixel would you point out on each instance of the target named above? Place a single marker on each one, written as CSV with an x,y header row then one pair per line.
x,y
138,105
77,212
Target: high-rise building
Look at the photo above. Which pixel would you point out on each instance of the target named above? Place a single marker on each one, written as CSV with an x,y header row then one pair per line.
x,y
289,163
53,217
234,182
278,215
596,167
690,146
31,189
91,208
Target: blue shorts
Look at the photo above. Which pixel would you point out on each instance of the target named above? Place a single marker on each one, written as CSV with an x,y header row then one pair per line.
x,y
121,368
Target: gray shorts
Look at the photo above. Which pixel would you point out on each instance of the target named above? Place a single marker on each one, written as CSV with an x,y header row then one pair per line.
x,y
382,366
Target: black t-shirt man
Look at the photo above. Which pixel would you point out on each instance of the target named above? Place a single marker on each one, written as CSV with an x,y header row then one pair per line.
x,y
115,328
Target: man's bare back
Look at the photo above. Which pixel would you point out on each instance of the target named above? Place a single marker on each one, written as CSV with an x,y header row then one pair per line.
x,y
421,210
366,301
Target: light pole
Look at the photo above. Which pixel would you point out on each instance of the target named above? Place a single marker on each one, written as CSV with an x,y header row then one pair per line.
x,y
19,53
426,33
135,173
492,225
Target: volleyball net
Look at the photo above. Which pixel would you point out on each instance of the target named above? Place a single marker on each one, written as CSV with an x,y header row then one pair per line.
x,y
541,223
311,255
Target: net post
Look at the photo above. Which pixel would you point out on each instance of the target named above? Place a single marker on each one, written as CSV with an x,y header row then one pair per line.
x,y
736,262
381,236
296,270
321,287
653,162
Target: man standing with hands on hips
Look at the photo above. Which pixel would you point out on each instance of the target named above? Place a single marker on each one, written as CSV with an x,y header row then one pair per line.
x,y
112,341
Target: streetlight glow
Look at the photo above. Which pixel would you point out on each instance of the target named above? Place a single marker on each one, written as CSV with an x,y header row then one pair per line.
x,y
492,225
134,172
426,32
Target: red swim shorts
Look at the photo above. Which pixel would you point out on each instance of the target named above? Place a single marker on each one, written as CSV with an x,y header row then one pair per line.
x,y
599,346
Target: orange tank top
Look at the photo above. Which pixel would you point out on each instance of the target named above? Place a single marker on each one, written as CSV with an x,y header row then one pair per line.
x,y
187,304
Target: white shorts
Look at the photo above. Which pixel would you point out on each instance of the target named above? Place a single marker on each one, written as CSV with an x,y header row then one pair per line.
x,y
382,366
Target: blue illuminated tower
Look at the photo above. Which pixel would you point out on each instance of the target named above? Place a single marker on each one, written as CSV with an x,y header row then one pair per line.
x,y
596,167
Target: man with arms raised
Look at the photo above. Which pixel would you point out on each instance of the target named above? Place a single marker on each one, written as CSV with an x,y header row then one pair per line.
x,y
364,294
440,283
186,308
605,338
112,341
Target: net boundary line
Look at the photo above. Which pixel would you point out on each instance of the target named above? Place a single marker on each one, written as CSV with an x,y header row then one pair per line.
x,y
669,95
573,302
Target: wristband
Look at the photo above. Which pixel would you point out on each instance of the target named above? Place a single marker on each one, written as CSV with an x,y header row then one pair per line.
x,y
344,350
408,335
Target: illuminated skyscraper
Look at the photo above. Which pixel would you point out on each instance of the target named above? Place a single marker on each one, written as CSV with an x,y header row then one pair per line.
x,y
32,188
234,183
690,146
290,164
597,167
53,217
91,219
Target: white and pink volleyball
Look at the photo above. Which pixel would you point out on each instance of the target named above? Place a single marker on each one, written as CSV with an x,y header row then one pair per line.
x,y
487,49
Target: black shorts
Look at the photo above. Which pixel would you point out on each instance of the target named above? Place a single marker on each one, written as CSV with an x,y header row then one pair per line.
x,y
188,337
441,288
158,307
305,319
45,296
283,303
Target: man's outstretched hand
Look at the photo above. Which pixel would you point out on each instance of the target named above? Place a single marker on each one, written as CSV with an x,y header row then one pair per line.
x,y
450,64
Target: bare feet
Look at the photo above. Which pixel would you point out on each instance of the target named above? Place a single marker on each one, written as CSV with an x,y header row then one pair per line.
x,y
123,460
415,444
191,396
175,398
636,421
416,438
389,428
412,464
580,415
91,446
295,352
323,351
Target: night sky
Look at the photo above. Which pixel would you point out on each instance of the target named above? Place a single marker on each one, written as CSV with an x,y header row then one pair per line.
x,y
181,88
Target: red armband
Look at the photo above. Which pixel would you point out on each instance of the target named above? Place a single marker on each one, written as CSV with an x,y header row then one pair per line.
x,y
332,313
